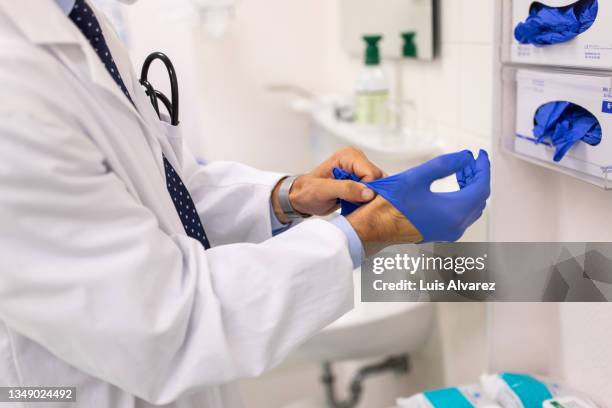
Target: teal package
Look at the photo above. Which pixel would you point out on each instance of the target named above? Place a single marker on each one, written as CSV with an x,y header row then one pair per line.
x,y
529,390
448,397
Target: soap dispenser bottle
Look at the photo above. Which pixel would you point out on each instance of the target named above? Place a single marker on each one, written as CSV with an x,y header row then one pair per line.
x,y
372,88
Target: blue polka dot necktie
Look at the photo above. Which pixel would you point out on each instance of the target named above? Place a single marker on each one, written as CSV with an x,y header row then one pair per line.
x,y
84,18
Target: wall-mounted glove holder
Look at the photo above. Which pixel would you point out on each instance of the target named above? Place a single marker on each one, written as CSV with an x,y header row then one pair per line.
x,y
583,42
527,90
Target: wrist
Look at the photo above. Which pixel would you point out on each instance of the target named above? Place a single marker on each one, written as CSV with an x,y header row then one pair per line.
x,y
296,196
379,224
366,222
284,200
365,225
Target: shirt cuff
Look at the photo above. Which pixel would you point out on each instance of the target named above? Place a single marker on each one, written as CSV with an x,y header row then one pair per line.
x,y
354,243
277,226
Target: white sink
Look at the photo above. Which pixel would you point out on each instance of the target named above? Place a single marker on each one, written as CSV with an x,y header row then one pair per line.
x,y
396,146
371,330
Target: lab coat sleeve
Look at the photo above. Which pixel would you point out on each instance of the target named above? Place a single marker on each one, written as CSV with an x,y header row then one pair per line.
x,y
214,185
88,274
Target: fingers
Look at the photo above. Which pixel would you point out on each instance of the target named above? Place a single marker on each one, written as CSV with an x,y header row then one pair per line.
x,y
476,170
483,171
444,166
347,190
340,174
480,184
483,164
474,193
355,161
366,170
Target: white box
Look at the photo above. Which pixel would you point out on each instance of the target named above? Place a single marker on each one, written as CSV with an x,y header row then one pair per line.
x,y
591,49
592,92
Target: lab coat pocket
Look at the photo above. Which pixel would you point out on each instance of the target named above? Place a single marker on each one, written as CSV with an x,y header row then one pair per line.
x,y
175,138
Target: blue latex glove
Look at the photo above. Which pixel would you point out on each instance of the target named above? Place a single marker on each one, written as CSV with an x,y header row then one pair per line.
x,y
439,217
563,124
553,25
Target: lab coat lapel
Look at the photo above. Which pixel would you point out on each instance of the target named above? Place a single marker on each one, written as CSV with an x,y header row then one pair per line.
x,y
44,23
48,26
41,21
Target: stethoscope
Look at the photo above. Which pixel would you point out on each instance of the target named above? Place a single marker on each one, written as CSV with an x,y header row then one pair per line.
x,y
171,105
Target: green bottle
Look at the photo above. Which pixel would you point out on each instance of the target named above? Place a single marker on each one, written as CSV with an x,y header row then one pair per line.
x,y
410,48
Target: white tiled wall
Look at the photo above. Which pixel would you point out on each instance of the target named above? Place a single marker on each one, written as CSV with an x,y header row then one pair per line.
x,y
569,342
585,355
455,91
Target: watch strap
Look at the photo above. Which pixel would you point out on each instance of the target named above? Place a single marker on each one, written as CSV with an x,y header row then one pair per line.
x,y
285,202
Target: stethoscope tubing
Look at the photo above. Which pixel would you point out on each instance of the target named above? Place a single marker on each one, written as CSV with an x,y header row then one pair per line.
x,y
171,105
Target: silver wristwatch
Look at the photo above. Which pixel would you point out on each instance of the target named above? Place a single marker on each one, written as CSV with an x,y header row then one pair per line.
x,y
285,203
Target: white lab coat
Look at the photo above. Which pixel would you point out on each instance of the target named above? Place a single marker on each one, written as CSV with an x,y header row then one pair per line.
x,y
100,288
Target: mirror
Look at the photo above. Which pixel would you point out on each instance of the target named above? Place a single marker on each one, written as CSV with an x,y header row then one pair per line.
x,y
391,19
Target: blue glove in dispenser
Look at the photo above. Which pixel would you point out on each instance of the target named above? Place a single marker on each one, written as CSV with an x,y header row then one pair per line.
x,y
554,25
563,125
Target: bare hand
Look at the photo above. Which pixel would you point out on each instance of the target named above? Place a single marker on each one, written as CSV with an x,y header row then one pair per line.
x,y
317,192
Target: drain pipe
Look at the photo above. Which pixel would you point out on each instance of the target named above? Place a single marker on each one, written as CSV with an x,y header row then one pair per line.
x,y
397,364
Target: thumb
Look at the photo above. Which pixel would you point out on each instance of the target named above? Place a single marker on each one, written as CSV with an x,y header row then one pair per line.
x,y
482,180
483,164
446,165
347,190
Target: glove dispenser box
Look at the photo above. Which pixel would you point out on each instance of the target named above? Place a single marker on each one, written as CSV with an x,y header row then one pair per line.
x,y
592,92
590,49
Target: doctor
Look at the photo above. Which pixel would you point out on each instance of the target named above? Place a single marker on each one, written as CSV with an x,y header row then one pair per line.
x,y
128,270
